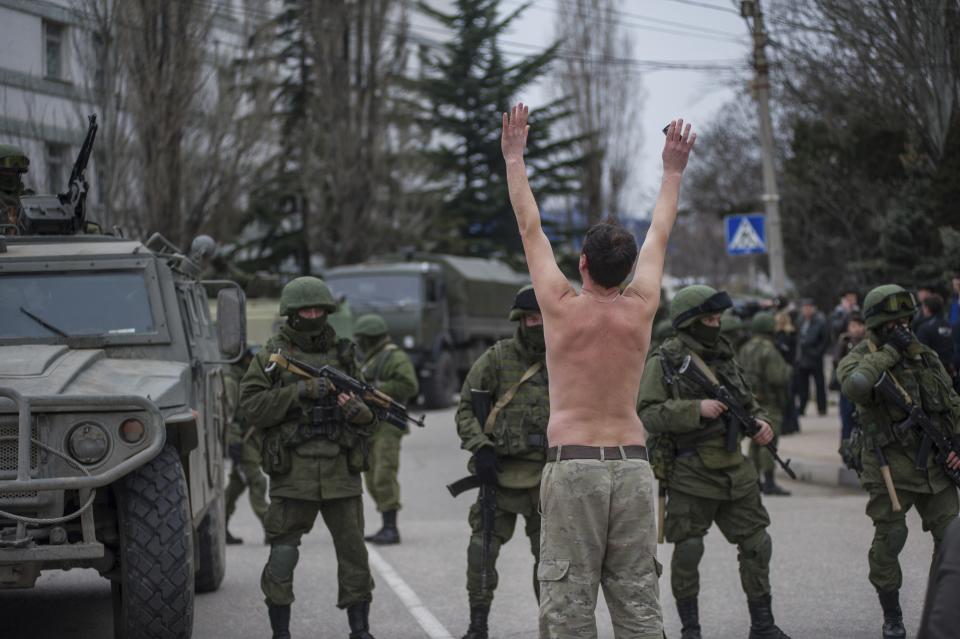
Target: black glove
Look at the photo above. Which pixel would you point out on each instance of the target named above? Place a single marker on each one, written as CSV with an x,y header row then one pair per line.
x,y
356,412
485,465
314,388
234,451
900,338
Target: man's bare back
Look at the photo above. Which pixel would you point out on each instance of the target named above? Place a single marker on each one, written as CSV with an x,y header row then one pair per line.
x,y
596,340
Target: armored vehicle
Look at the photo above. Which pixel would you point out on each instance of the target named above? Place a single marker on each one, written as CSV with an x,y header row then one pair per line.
x,y
112,419
444,310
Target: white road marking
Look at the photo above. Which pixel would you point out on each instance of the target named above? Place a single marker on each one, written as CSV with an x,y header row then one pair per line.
x,y
430,624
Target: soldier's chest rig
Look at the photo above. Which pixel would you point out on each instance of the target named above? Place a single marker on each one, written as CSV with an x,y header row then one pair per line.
x,y
726,372
518,421
324,418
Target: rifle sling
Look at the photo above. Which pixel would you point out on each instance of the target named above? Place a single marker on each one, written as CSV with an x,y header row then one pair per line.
x,y
508,396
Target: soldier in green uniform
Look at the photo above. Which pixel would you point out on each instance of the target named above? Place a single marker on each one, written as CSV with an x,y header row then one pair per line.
x,y
891,347
768,376
244,450
13,164
388,367
661,331
734,329
706,482
314,446
509,451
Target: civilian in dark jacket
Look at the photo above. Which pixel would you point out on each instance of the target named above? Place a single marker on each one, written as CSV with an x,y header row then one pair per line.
x,y
941,614
934,331
813,339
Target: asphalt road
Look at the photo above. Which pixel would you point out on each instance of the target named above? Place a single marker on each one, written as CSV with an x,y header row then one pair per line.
x,y
820,588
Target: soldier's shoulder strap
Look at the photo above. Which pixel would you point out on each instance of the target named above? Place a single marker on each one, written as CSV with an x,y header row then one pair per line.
x,y
380,362
508,396
670,374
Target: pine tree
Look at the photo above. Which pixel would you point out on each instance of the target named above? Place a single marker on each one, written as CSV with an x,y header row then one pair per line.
x,y
464,88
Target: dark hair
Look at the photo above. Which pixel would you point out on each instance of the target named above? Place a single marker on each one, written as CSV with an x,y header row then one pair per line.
x,y
855,317
934,304
611,251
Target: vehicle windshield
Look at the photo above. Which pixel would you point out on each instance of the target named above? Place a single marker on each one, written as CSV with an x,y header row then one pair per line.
x,y
96,303
378,290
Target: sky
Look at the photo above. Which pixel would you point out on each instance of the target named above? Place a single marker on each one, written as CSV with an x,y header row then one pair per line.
x,y
662,30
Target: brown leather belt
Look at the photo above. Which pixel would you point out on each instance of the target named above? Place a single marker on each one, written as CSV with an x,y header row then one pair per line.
x,y
603,453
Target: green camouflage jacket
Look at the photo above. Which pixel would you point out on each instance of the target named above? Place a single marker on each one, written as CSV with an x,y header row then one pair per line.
x,y
231,387
389,368
302,466
702,467
520,430
920,374
768,375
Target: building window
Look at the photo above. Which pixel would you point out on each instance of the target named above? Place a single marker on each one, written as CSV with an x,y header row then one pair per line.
x,y
54,50
57,159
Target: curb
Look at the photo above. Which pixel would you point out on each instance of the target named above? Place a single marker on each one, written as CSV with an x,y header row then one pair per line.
x,y
823,473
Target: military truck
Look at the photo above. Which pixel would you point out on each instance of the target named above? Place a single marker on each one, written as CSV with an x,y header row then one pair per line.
x,y
444,310
112,418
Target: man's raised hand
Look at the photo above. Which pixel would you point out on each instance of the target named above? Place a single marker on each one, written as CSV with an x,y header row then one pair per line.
x,y
676,148
513,140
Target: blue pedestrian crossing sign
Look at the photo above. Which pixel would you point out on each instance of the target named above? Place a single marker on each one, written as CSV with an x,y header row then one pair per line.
x,y
746,234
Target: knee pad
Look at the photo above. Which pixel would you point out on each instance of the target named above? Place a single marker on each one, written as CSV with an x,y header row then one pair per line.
x,y
757,547
282,561
891,539
687,553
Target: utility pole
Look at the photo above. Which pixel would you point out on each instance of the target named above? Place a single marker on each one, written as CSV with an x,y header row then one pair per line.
x,y
750,10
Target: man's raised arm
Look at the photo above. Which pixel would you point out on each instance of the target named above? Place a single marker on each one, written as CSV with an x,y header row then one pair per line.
x,y
649,273
548,282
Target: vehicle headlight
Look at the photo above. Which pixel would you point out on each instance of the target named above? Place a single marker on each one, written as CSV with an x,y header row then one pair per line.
x,y
408,341
132,430
88,443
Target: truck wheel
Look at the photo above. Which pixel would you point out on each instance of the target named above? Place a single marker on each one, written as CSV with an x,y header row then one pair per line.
x,y
153,597
440,387
211,540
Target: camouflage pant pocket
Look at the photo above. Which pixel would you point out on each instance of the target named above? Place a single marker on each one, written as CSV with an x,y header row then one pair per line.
x,y
552,569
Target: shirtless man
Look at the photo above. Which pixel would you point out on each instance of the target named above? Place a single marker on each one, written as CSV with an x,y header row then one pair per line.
x,y
596,494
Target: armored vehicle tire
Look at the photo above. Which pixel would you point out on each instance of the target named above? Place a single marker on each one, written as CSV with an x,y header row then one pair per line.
x,y
440,387
153,598
211,539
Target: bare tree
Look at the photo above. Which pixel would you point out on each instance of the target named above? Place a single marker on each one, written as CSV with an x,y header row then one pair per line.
x,y
896,57
605,102
100,56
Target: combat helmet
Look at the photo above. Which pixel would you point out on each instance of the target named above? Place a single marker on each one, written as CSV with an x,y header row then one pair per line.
x,y
525,301
370,325
886,303
306,292
764,323
12,158
13,164
696,301
730,322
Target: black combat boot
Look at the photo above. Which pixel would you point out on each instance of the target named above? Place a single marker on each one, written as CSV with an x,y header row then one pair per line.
x,y
761,620
358,615
389,534
233,541
892,615
478,622
771,487
279,621
689,618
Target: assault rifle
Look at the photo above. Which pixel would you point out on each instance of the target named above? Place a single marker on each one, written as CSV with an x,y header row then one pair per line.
x,y
384,407
932,438
737,417
480,401
76,195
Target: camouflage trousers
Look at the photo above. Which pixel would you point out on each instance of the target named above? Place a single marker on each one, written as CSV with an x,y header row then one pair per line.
x,y
890,529
598,530
288,520
381,479
511,503
247,474
742,521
